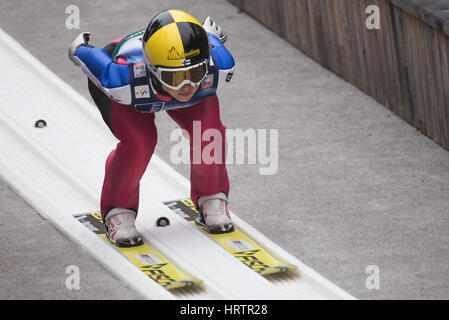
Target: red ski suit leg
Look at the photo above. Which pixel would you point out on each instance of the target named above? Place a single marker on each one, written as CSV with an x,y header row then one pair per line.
x,y
206,177
126,164
137,133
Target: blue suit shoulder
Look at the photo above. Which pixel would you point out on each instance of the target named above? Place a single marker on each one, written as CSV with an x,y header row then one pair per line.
x,y
222,56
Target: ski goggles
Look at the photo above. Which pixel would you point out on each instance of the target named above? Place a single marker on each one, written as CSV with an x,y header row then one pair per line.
x,y
176,78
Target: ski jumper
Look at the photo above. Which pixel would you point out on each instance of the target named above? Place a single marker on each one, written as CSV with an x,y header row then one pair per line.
x,y
128,98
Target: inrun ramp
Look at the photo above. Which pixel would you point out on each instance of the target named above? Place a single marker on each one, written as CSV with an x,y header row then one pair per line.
x,y
59,169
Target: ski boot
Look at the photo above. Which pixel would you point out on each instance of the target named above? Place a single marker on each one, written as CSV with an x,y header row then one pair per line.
x,y
121,229
214,214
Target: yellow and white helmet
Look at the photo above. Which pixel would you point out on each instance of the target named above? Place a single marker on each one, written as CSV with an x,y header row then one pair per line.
x,y
176,49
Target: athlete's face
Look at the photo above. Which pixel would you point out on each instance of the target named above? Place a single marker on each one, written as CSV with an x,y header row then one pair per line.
x,y
184,94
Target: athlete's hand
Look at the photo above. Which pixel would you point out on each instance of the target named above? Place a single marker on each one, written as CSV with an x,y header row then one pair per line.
x,y
212,27
81,40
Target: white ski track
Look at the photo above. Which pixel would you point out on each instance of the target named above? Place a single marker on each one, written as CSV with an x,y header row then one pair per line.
x,y
59,170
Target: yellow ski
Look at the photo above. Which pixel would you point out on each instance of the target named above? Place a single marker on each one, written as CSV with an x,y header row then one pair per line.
x,y
146,258
235,242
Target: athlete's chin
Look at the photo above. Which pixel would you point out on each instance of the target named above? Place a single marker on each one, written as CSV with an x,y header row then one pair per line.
x,y
184,97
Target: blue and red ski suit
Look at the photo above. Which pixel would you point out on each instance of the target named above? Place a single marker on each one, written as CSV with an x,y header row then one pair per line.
x,y
121,87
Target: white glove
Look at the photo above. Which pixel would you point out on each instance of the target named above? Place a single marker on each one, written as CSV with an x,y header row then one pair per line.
x,y
81,40
212,27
